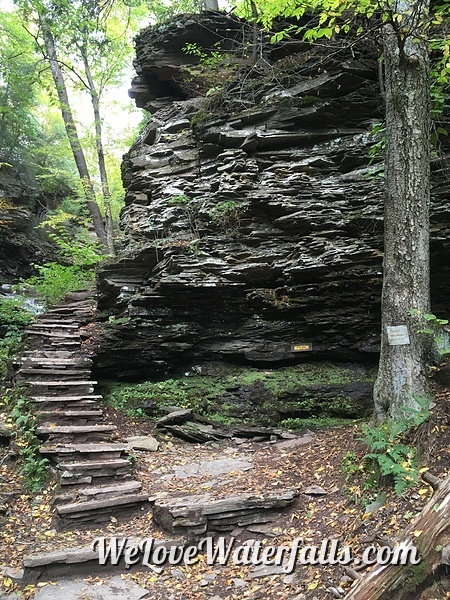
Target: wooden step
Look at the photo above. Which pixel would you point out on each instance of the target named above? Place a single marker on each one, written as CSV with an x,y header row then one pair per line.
x,y
77,509
74,429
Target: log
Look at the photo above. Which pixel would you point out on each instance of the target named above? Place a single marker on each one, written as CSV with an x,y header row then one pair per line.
x,y
429,530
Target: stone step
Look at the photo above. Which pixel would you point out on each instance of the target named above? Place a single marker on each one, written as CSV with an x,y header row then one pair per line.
x,y
112,463
98,492
81,399
71,311
58,388
79,509
42,324
54,335
74,452
94,472
198,514
54,414
45,320
52,354
49,372
71,417
51,363
51,344
69,383
74,429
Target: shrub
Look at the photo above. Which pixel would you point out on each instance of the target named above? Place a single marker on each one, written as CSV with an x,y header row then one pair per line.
x,y
54,280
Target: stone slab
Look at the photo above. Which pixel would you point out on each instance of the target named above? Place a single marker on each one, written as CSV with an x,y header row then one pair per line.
x,y
112,588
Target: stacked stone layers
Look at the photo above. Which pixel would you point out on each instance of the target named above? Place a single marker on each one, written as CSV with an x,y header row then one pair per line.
x,y
253,222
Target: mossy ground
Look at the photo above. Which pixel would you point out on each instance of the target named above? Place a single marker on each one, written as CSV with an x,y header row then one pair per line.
x,y
230,393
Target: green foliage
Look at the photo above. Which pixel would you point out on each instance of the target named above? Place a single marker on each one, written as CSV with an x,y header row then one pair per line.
x,y
181,199
437,328
314,422
211,59
389,456
14,317
35,468
204,392
70,234
376,151
54,280
78,252
13,314
351,465
227,214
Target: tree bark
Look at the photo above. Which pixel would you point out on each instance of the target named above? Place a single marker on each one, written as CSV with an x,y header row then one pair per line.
x,y
109,229
211,5
430,530
72,133
402,369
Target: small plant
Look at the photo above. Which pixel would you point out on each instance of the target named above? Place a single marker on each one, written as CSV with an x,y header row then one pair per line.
x,y
14,317
178,200
70,234
211,59
437,328
54,280
34,467
226,214
388,455
351,465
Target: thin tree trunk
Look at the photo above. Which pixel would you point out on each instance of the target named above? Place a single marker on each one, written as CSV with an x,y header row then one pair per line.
x,y
100,154
211,5
255,33
402,369
72,133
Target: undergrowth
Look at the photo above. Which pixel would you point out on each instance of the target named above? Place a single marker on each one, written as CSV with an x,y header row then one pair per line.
x,y
15,411
217,394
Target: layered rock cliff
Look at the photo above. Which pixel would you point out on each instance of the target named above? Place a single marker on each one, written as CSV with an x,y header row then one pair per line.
x,y
20,243
253,219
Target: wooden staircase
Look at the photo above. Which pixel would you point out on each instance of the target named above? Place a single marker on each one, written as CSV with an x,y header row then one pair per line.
x,y
95,475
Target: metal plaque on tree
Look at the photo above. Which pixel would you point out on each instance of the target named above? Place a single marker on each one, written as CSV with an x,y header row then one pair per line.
x,y
398,335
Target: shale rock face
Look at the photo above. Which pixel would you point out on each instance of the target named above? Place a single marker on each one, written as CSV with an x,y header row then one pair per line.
x,y
253,220
20,245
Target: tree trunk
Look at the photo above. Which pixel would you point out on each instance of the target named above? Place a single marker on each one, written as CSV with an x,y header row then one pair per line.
x,y
211,5
72,133
430,530
100,154
402,369
255,33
